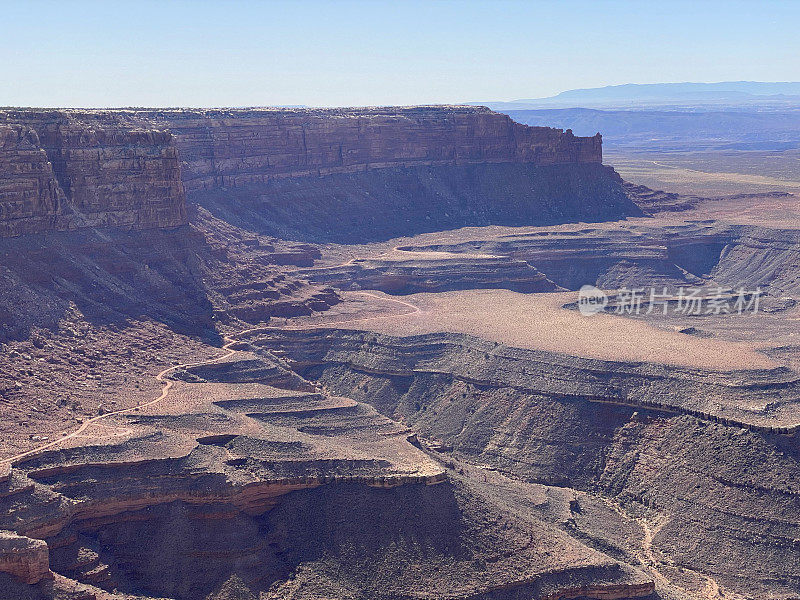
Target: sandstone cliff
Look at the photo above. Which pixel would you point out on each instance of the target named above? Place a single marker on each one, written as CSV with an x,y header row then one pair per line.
x,y
24,558
30,197
385,203
309,174
352,175
62,170
232,148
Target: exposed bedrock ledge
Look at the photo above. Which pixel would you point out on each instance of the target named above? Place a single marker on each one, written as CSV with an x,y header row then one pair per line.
x,y
412,273
705,481
686,253
184,545
297,494
760,400
96,497
229,148
348,175
30,196
25,558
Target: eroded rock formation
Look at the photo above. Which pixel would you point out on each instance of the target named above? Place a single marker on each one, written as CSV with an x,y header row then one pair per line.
x,y
24,558
408,272
254,473
735,398
305,174
70,170
304,463
30,196
707,482
234,148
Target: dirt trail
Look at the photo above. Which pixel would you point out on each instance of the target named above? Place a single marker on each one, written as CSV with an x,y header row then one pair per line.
x,y
164,392
711,590
230,340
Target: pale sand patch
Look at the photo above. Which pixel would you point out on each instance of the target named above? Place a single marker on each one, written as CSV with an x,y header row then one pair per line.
x,y
538,321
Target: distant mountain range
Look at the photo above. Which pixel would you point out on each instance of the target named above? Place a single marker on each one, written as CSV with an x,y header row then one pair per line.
x,y
678,95
675,130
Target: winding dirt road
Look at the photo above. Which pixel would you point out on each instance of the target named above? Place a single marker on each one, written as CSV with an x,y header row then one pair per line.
x,y
230,340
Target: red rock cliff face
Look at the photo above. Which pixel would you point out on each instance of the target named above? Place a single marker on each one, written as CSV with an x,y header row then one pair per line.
x,y
68,169
232,148
25,558
30,197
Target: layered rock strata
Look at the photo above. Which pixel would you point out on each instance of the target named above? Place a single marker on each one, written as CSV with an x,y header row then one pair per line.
x,y
94,169
31,198
410,273
250,470
24,558
697,480
190,278
237,147
276,168
351,175
380,204
637,255
736,398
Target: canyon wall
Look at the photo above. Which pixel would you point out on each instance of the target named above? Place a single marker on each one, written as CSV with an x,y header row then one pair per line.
x,y
672,444
295,493
25,558
232,148
355,175
68,169
63,170
30,197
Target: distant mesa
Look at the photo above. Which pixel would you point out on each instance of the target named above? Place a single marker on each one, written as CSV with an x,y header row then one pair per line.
x,y
262,168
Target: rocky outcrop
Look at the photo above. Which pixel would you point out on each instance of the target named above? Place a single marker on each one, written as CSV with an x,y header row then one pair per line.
x,y
23,557
705,482
411,272
70,170
354,175
391,202
656,201
30,196
252,472
115,173
735,398
681,253
190,278
610,258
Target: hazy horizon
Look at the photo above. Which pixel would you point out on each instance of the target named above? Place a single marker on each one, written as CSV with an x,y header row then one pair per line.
x,y
488,102
87,53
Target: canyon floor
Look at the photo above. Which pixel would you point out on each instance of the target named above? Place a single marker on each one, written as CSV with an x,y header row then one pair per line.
x,y
425,417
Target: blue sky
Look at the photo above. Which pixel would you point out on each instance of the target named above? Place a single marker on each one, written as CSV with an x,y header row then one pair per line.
x,y
245,53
